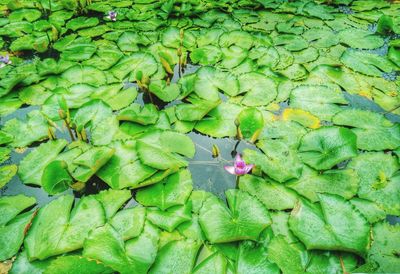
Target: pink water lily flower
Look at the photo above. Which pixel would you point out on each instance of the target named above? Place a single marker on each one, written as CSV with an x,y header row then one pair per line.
x,y
112,15
239,167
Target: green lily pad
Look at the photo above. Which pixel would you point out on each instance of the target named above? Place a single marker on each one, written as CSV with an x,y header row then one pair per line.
x,y
371,211
385,247
240,38
76,264
328,146
32,166
196,110
171,218
209,81
137,63
124,169
245,218
321,37
98,117
55,230
24,133
4,154
259,90
206,55
273,195
144,115
106,245
173,190
173,37
252,258
343,182
7,173
251,122
161,149
279,161
367,63
378,179
322,101
360,39
78,50
373,130
220,122
290,42
166,92
290,257
55,178
13,225
85,75
215,263
176,256
332,225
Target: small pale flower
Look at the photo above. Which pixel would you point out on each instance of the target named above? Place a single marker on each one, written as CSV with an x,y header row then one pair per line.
x,y
112,15
5,60
239,167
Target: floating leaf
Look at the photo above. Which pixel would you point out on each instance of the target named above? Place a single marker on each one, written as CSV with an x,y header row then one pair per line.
x,y
367,63
32,166
209,81
338,225
144,115
251,122
325,147
378,179
55,230
280,162
245,219
322,101
164,91
272,195
173,190
7,173
124,169
220,122
24,133
13,224
360,39
55,178
385,247
343,182
177,256
259,90
373,130
105,244
160,149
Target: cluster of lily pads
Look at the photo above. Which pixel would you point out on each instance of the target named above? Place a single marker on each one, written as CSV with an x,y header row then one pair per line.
x,y
114,87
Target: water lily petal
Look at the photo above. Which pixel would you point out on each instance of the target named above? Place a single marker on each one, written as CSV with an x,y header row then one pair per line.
x,y
248,168
230,169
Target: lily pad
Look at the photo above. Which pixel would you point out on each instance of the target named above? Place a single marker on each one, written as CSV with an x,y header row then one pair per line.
x,y
373,130
106,244
343,182
273,195
378,179
173,190
7,173
13,225
322,101
245,218
338,225
24,133
161,149
124,169
328,146
32,166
